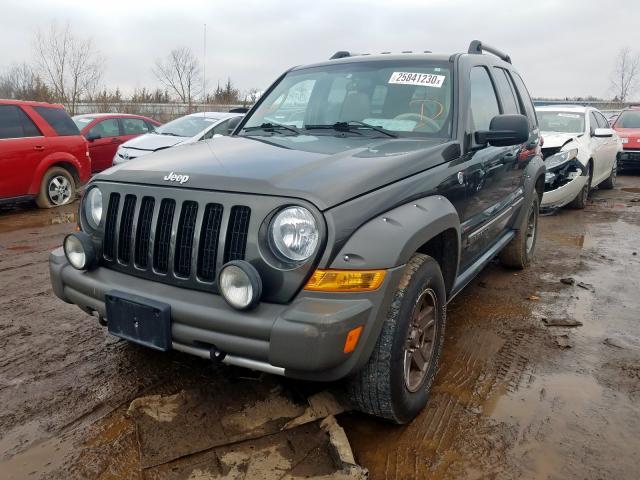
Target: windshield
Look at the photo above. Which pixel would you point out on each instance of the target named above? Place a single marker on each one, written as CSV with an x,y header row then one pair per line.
x,y
629,119
564,122
409,98
188,126
82,122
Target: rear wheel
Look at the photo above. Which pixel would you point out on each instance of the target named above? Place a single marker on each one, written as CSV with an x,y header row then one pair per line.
x,y
519,251
581,200
610,182
396,381
57,188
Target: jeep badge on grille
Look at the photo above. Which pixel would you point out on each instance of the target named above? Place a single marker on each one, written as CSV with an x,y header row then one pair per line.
x,y
175,177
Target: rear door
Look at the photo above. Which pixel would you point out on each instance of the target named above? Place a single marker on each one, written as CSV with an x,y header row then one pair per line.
x,y
107,138
132,127
22,147
610,147
598,149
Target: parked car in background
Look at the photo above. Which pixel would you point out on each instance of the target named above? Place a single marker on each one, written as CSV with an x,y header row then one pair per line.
x,y
187,129
580,152
627,126
611,115
42,154
105,132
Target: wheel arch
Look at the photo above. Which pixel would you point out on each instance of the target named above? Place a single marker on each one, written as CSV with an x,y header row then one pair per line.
x,y
63,160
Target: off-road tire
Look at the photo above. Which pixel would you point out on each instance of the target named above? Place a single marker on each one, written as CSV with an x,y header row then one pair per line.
x,y
580,201
44,200
519,251
610,182
379,388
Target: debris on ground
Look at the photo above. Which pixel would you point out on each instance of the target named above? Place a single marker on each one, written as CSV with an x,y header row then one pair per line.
x,y
534,298
568,281
563,341
561,322
586,286
622,343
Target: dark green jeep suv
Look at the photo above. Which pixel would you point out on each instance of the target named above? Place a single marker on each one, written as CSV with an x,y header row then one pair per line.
x,y
324,237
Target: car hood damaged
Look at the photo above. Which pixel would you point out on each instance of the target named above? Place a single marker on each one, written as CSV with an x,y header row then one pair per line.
x,y
325,170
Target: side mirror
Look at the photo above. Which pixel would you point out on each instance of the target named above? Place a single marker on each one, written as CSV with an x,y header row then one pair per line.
x,y
603,132
504,131
93,136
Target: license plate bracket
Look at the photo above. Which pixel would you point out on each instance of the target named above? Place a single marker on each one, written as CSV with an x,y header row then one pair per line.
x,y
139,319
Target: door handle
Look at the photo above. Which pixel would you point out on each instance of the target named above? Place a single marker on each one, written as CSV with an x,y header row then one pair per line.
x,y
39,147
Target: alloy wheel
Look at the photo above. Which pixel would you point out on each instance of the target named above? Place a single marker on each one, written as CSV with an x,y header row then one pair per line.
x,y
59,190
421,338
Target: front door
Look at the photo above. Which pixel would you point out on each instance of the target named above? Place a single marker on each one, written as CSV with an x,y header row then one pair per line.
x,y
22,147
104,138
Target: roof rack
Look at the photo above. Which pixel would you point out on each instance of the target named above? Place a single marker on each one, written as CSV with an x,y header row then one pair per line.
x,y
342,54
477,47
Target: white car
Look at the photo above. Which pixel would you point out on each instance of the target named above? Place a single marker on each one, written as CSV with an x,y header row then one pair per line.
x,y
580,152
188,129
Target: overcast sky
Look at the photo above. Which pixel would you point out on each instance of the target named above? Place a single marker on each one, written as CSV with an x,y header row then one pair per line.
x,y
562,48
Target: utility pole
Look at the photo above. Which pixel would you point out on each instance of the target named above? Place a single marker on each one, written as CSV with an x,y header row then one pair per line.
x,y
204,69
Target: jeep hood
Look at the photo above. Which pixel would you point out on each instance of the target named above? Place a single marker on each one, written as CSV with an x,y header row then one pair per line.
x,y
153,142
556,139
326,170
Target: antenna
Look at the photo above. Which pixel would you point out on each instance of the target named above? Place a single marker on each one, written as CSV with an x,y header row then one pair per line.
x,y
204,70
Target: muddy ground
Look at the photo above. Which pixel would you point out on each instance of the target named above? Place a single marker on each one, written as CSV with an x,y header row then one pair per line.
x,y
517,396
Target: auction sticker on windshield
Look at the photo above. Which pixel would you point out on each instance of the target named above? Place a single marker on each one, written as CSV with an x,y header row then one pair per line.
x,y
422,79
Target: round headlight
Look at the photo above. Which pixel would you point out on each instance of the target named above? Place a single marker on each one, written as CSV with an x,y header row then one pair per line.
x,y
240,284
294,234
79,250
93,207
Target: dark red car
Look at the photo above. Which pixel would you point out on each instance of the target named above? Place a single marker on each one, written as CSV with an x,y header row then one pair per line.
x,y
628,127
106,131
42,154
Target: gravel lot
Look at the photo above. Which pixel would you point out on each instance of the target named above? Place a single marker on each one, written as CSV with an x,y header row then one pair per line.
x,y
517,395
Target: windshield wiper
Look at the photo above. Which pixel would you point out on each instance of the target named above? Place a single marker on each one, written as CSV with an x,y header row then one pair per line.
x,y
171,134
273,127
351,125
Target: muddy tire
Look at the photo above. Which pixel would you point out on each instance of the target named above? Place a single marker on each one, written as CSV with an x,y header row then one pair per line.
x,y
396,381
580,201
610,182
56,189
519,251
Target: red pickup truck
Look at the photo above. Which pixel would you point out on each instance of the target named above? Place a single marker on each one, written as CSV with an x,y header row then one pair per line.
x,y
42,154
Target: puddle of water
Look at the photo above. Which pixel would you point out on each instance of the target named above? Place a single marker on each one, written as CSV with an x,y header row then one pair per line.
x,y
631,189
21,217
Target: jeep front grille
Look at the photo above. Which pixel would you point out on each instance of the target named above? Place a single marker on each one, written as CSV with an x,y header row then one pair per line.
x,y
172,241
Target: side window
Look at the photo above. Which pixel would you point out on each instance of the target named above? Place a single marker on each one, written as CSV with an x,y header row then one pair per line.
x,y
105,128
14,123
59,120
505,89
150,127
484,103
602,122
593,121
221,129
526,100
134,126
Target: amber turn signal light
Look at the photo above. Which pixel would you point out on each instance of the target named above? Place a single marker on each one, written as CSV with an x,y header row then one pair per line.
x,y
352,339
345,280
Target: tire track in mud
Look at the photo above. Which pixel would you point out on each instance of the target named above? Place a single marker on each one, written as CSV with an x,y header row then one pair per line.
x,y
481,365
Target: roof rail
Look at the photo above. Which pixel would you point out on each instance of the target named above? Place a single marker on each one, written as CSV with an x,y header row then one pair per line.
x,y
477,47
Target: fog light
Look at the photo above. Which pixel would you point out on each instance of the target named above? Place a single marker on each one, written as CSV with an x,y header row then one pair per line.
x,y
79,250
240,284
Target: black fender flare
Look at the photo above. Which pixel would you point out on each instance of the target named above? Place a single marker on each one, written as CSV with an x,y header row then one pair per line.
x,y
391,238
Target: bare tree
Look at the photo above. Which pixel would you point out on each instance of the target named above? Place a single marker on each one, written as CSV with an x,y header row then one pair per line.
x,y
179,72
22,83
71,66
624,77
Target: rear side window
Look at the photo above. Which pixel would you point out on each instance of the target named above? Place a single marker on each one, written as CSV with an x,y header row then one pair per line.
x,y
134,126
506,91
14,123
526,100
59,120
484,103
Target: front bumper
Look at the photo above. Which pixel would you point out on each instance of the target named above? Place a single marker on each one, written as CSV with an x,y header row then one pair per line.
x,y
303,339
629,159
563,195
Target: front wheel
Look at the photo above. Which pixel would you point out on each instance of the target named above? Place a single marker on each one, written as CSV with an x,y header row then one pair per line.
x,y
580,201
396,381
519,251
